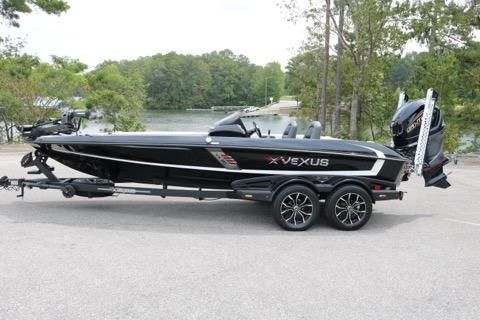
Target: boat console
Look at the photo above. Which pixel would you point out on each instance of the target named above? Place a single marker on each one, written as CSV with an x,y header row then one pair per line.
x,y
233,126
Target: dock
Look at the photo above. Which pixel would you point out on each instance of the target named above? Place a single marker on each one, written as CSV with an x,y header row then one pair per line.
x,y
229,108
282,107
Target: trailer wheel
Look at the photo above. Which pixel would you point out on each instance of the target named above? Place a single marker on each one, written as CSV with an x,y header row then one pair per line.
x,y
296,208
68,192
348,208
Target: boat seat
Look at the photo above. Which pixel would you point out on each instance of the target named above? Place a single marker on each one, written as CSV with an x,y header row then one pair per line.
x,y
290,131
313,131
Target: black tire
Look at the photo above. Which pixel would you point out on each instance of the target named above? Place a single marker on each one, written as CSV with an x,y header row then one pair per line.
x,y
68,191
296,207
348,208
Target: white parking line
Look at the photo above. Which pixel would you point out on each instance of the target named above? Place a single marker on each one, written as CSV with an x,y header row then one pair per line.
x,y
464,222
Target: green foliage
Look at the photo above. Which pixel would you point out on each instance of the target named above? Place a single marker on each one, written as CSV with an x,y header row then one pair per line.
x,y
442,24
372,66
10,10
21,84
66,63
378,101
455,74
58,82
268,82
301,78
452,138
176,81
120,98
18,92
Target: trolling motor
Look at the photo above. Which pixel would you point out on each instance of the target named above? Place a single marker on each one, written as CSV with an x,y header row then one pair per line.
x,y
70,122
417,130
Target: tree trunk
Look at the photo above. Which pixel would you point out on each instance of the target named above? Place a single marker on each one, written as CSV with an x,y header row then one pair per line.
x,y
12,135
354,111
433,37
372,131
322,117
7,132
338,74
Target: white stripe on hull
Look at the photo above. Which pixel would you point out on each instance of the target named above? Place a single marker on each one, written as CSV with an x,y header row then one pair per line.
x,y
367,173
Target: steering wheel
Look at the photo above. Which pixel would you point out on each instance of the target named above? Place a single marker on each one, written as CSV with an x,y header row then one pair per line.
x,y
256,129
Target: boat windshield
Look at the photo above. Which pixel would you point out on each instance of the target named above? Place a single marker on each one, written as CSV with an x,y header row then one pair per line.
x,y
232,119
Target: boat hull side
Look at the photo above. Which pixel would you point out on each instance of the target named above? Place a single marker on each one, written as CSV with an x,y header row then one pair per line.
x,y
204,166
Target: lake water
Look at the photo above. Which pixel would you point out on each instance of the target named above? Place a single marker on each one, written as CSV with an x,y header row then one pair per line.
x,y
202,120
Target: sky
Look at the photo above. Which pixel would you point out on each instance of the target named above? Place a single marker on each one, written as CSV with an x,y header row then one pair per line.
x,y
96,30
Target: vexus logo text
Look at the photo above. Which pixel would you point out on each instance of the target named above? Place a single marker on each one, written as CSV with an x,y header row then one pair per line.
x,y
297,161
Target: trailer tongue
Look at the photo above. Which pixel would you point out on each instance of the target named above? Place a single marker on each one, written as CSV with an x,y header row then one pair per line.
x,y
97,188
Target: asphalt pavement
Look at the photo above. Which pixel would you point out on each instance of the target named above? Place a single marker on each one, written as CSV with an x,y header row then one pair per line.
x,y
137,257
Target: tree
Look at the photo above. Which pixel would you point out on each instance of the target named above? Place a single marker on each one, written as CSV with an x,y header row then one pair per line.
x,y
374,28
232,78
120,98
19,92
10,10
338,71
59,83
370,70
177,81
301,79
11,99
30,91
66,63
10,109
443,25
317,19
269,82
326,51
369,29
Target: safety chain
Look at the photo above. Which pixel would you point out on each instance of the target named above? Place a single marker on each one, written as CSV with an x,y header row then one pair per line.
x,y
10,188
6,185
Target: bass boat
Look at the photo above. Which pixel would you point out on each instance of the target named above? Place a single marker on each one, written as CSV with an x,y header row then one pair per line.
x,y
300,176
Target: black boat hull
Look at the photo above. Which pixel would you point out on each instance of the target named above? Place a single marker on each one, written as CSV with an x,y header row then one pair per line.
x,y
196,161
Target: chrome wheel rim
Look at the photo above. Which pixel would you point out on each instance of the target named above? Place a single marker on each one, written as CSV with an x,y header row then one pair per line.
x,y
296,209
350,209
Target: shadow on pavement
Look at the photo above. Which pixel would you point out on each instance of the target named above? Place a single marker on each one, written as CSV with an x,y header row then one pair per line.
x,y
170,216
381,221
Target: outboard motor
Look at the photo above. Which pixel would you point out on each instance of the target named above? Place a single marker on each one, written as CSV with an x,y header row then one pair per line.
x,y
417,130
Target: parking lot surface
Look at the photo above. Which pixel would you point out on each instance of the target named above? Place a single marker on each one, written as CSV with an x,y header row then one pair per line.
x,y
137,257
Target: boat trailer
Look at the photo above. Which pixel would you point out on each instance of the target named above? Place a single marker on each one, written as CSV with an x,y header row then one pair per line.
x,y
97,188
317,191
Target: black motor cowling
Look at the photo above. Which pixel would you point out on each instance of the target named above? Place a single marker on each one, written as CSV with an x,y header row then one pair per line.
x,y
407,121
405,128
